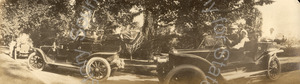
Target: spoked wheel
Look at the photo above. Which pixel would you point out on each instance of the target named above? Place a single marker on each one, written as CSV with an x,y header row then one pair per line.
x,y
98,69
274,68
185,74
36,62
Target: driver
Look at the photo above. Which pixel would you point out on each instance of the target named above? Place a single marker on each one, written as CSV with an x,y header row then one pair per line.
x,y
237,39
233,36
236,42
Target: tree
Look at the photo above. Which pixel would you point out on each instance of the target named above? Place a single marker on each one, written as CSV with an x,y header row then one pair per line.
x,y
186,20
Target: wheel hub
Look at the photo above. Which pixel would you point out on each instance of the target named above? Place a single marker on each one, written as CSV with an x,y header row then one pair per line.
x,y
97,70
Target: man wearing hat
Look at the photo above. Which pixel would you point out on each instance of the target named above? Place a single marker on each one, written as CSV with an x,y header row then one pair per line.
x,y
237,39
233,36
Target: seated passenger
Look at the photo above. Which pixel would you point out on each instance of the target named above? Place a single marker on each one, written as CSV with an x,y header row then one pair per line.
x,y
269,36
244,38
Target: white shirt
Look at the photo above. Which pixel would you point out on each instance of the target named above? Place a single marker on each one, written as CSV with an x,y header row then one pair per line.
x,y
243,41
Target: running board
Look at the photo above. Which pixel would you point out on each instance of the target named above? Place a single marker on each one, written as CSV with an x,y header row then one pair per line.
x,y
66,65
240,74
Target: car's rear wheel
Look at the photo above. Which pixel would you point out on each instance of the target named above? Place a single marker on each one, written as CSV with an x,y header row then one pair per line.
x,y
274,68
98,69
36,62
185,74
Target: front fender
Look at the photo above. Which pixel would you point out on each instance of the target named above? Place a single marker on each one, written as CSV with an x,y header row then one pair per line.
x,y
273,52
39,51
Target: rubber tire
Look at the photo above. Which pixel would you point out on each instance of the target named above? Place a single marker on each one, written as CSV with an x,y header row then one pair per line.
x,y
15,54
279,68
103,61
30,67
184,67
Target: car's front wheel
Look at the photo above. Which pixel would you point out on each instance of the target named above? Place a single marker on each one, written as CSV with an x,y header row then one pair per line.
x,y
185,74
274,68
36,62
98,69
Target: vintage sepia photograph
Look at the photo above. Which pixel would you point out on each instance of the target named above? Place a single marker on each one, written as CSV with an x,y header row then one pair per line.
x,y
149,42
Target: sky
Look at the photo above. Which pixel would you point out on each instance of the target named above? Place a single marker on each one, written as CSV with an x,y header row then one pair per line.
x,y
283,16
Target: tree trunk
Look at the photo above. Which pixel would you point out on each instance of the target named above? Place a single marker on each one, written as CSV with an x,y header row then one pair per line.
x,y
148,30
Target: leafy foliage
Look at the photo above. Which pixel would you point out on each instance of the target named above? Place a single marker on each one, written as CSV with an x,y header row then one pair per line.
x,y
164,20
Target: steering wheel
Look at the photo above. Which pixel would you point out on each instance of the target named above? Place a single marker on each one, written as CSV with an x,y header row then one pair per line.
x,y
227,43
